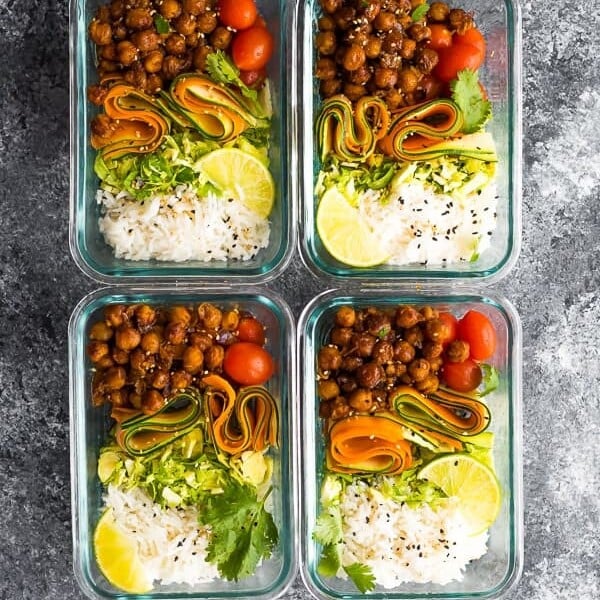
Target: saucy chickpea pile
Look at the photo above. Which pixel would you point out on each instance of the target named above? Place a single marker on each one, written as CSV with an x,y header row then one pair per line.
x,y
150,42
375,47
143,354
372,351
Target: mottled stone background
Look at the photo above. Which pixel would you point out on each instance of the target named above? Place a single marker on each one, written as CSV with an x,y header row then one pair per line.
x,y
555,287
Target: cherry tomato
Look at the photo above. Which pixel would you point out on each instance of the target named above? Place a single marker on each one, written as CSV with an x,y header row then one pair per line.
x,y
237,14
463,376
478,330
251,49
456,58
251,330
451,322
474,37
253,79
441,36
248,363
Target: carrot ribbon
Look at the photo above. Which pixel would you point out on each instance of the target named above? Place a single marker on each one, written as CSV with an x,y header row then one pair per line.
x,y
246,421
368,444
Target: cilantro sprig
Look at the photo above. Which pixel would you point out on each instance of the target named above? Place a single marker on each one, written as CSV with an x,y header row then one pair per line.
x,y
419,12
243,531
468,95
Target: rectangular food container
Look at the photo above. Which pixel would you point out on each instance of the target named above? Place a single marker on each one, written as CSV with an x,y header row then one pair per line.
x,y
499,569
89,426
499,21
88,247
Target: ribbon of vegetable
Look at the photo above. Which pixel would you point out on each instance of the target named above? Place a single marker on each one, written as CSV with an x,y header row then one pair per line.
x,y
443,419
246,421
351,135
144,434
217,112
132,123
419,132
368,444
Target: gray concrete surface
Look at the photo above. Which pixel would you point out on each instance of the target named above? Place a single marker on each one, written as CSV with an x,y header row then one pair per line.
x,y
555,286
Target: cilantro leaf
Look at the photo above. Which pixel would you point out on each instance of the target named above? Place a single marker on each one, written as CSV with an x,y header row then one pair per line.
x,y
329,561
328,528
362,576
243,532
468,95
419,12
491,379
222,70
161,24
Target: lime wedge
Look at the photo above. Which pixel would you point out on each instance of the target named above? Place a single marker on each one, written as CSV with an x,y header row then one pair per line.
x,y
345,234
242,176
106,465
472,482
118,558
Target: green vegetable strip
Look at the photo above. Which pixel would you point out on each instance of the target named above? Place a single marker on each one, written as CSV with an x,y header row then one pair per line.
x,y
444,411
351,135
144,434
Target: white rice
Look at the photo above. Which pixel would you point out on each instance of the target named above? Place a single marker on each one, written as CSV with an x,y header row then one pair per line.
x,y
403,544
418,225
172,544
180,227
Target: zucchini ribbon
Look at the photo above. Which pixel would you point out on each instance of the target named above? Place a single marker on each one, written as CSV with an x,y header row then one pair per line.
x,y
132,123
246,421
144,434
368,444
351,135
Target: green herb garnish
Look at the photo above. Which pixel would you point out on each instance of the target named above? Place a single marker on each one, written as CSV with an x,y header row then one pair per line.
x,y
467,93
161,24
362,576
419,12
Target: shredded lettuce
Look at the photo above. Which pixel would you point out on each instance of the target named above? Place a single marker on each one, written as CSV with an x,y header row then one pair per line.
x,y
407,488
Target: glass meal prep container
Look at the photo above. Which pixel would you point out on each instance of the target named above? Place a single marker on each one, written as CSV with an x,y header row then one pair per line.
x,y
90,426
490,576
88,247
499,21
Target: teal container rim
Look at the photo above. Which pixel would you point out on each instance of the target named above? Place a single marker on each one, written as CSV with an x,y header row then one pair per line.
x,y
303,133
434,294
130,272
290,504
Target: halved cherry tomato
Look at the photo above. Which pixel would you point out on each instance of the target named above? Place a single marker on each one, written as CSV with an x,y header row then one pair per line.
x,y
478,330
456,58
251,49
474,37
248,364
441,36
237,14
450,322
251,330
463,376
253,79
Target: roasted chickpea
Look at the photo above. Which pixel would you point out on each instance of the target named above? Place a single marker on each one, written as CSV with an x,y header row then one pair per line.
x,y
117,9
114,378
210,315
429,312
432,349
394,99
435,364
152,400
145,316
146,40
199,58
426,59
96,94
369,375
347,383
428,385
354,58
384,21
194,7
206,22
185,24
118,398
139,18
150,342
407,316
325,409
159,379
418,369
414,335
341,336
340,408
109,52
193,359
201,340
105,363
136,75
326,68
419,32
139,361
100,332
371,10
392,42
364,342
172,66
435,329
438,11
330,6
373,47
153,62
221,38
395,369
175,332
119,32
135,399
329,88
351,363
175,44
460,20
345,316
326,23
230,320
120,357
100,33
326,43
180,380
213,357
383,352
97,351
408,80
329,358
354,92
385,78
361,400
407,48
170,9
344,17
458,351
404,352
328,389
115,315
127,338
